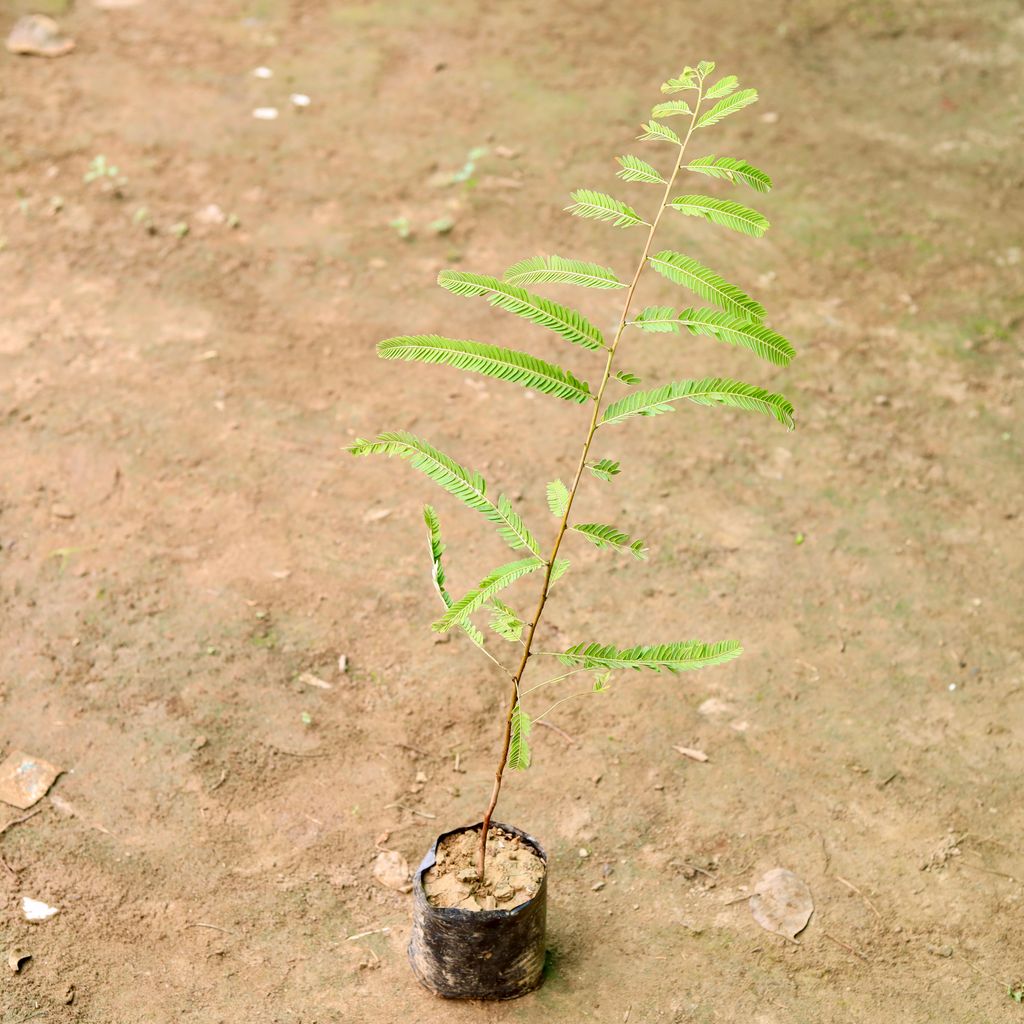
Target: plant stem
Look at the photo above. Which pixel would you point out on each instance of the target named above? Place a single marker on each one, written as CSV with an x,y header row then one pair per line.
x,y
564,524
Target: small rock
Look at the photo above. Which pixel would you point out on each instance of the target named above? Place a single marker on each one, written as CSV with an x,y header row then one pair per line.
x,y
262,72
584,852
467,875
503,892
199,742
597,886
62,511
300,99
211,214
945,951
311,680
38,36
37,910
265,113
342,663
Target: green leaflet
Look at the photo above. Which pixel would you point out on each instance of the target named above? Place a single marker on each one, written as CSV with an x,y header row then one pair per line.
x,y
728,168
558,570
519,747
605,469
560,270
571,325
558,498
687,79
436,551
728,105
593,205
505,622
470,488
489,360
724,212
635,169
706,283
672,108
627,378
704,68
677,657
709,391
760,340
654,130
494,582
723,87
657,320
601,535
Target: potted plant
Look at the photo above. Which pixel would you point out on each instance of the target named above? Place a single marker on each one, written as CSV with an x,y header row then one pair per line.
x,y
479,913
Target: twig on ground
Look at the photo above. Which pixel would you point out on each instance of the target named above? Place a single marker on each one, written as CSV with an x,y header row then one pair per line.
x,y
296,753
411,810
847,947
850,885
561,732
372,931
203,924
220,781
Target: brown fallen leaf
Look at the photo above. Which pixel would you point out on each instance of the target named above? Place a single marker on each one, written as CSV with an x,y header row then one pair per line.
x,y
16,959
782,903
390,868
692,753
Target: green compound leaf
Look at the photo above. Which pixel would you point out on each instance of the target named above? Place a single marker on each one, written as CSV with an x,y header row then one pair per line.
x,y
593,205
677,657
723,212
707,284
519,747
672,108
561,270
469,487
728,168
489,360
601,535
558,570
653,130
494,582
760,340
436,551
709,391
570,324
723,87
505,622
605,469
558,498
687,79
728,105
635,169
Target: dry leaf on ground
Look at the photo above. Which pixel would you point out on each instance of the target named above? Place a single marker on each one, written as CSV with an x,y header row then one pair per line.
x,y
391,869
782,903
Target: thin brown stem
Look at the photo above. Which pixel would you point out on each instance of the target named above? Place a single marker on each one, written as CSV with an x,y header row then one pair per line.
x,y
564,524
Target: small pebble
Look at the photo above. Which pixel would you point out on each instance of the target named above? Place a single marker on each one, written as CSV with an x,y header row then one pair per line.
x,y
265,113
262,72
300,99
584,852
597,886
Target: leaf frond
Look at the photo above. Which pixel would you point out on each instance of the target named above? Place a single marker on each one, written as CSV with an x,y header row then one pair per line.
x,y
671,108
601,535
723,87
469,487
654,130
505,622
593,205
709,391
724,212
494,582
558,570
707,284
437,549
570,324
490,360
561,270
728,168
761,340
558,498
604,469
627,378
635,169
686,79
729,105
519,747
677,657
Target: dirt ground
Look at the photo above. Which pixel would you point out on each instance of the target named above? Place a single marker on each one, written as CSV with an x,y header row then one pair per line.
x,y
182,538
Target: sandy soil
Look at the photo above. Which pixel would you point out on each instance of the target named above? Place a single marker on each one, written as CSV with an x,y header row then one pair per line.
x,y
183,545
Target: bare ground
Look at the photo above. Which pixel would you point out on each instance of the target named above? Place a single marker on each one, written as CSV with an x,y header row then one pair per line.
x,y
182,538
